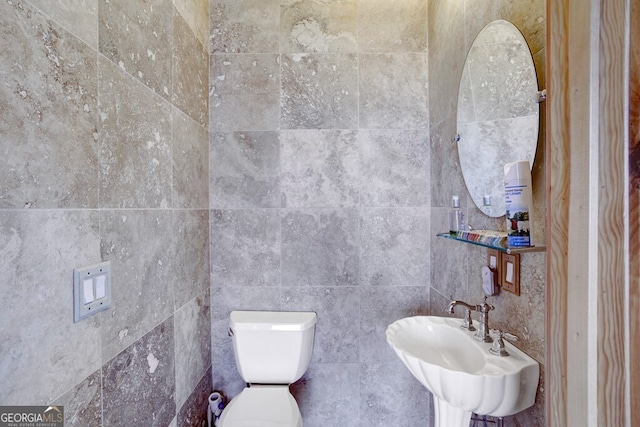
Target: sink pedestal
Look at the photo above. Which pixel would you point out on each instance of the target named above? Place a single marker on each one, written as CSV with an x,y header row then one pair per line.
x,y
450,416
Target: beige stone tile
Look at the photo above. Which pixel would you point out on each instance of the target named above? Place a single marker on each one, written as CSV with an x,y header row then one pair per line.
x,y
138,384
190,152
395,168
190,254
392,26
245,26
49,95
137,37
245,91
196,14
79,17
319,168
394,91
319,91
39,341
245,169
139,245
190,73
193,345
311,26
135,143
83,403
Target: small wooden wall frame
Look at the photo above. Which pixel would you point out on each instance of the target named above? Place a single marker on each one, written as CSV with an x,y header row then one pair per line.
x,y
510,273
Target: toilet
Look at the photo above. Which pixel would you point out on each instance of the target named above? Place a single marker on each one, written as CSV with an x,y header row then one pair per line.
x,y
272,351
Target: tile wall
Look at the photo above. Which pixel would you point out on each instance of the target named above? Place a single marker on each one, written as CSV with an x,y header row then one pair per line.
x,y
330,172
104,147
455,271
320,191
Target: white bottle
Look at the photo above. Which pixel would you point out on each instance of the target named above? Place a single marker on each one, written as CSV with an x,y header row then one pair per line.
x,y
519,203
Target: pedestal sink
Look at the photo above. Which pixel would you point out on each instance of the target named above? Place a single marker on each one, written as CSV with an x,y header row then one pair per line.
x,y
460,372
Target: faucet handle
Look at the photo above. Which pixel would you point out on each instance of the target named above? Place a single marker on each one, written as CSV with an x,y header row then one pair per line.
x,y
497,348
502,334
489,306
467,324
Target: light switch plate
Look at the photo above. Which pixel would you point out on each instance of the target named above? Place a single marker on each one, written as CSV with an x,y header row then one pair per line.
x,y
91,290
511,273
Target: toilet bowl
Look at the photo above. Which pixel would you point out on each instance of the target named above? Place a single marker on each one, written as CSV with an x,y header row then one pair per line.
x,y
262,406
272,351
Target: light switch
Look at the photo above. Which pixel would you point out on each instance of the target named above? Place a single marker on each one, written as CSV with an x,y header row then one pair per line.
x,y
493,261
100,286
509,272
91,290
87,290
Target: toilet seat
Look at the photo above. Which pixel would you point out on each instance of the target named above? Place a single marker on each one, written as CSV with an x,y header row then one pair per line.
x,y
262,406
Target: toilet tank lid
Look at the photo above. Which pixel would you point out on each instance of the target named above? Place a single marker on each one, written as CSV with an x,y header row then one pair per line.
x,y
272,320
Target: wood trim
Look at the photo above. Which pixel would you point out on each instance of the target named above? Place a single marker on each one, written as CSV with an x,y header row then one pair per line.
x,y
557,210
586,292
634,213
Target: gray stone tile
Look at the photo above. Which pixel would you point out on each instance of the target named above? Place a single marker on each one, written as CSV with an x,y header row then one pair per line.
x,y
192,324
245,171
194,411
391,396
392,26
319,91
139,383
223,302
38,341
196,14
190,254
438,303
135,143
49,97
320,408
379,308
394,91
446,175
137,37
190,172
448,259
394,247
79,17
447,53
337,329
320,247
319,168
83,403
245,248
524,315
245,26
245,92
309,26
139,246
395,168
190,72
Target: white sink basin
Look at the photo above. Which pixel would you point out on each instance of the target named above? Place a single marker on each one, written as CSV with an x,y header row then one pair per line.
x,y
460,372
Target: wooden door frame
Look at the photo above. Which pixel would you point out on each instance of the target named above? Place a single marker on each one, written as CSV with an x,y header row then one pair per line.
x,y
587,300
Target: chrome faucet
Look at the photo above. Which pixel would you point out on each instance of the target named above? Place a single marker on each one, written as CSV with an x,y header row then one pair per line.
x,y
483,309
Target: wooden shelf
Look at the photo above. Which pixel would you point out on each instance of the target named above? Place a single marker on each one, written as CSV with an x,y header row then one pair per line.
x,y
523,250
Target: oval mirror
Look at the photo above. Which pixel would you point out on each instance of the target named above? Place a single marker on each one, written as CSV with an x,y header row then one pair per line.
x,y
498,112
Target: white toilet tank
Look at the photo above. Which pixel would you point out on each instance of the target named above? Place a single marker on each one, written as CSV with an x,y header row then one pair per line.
x,y
272,347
